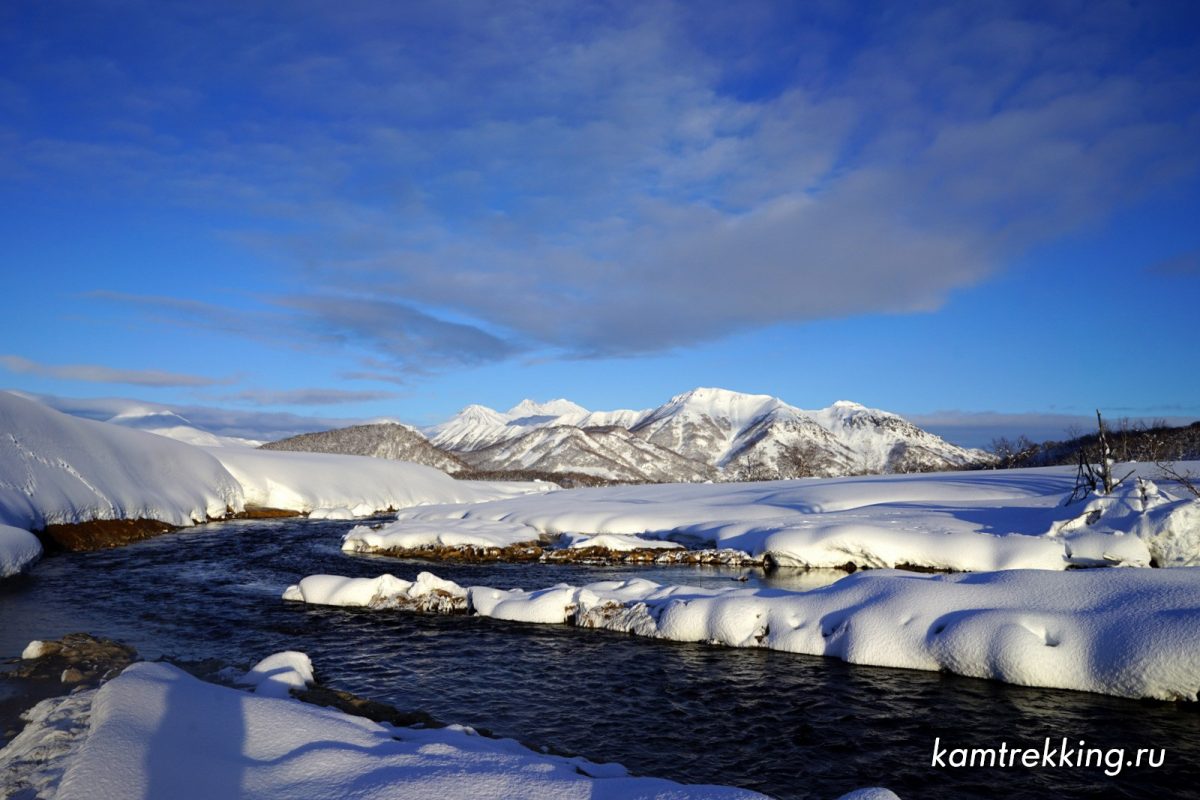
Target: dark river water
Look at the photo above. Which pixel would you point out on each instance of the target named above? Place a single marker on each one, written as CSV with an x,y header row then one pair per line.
x,y
787,725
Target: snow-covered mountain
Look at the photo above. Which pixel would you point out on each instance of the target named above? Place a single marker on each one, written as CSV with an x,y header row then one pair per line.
x,y
608,452
710,432
381,440
477,427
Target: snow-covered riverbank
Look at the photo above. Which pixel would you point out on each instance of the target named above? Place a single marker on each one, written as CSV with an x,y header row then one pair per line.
x,y
961,521
1130,633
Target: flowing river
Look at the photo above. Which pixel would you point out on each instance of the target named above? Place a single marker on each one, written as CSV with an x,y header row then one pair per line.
x,y
787,725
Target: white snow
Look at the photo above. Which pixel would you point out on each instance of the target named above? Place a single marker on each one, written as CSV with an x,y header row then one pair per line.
x,y
408,534
32,764
1131,633
35,649
959,521
279,673
55,468
307,481
386,591
18,550
158,732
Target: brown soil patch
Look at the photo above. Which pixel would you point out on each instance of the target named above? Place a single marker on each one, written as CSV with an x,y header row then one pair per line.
x,y
262,512
101,533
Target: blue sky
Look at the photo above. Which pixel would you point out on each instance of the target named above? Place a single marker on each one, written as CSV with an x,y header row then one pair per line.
x,y
976,214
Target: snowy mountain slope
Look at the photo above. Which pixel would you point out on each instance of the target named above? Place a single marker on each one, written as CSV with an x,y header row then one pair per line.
x,y
786,444
741,436
472,428
477,427
380,440
886,442
608,452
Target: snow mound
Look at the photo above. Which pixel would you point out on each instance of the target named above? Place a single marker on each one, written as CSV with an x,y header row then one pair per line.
x,y
57,469
1168,527
1130,633
428,592
18,550
408,534
158,732
279,673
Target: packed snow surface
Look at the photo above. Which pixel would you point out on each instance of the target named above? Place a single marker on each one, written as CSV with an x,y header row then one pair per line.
x,y
957,521
158,732
1131,633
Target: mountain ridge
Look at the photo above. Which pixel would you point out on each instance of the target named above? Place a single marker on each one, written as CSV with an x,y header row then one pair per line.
x,y
737,436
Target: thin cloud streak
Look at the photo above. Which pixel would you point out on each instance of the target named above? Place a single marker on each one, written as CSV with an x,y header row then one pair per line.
x,y
306,397
96,373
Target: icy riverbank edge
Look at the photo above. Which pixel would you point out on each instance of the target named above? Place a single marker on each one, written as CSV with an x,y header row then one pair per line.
x,y
1123,632
156,731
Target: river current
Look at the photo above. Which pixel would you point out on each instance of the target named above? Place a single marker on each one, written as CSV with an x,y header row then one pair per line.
x,y
787,725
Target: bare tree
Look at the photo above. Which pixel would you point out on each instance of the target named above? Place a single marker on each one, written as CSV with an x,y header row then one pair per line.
x,y
1096,466
1187,479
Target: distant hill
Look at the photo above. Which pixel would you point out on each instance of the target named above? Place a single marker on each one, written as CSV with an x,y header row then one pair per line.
x,y
380,440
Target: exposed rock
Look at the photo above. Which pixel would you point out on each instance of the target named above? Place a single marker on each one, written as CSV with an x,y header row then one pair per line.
x,y
74,663
373,710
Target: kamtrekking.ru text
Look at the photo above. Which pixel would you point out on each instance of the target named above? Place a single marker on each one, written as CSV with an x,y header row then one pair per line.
x,y
1053,754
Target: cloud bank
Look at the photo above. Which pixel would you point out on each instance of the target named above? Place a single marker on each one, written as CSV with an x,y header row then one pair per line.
x,y
453,187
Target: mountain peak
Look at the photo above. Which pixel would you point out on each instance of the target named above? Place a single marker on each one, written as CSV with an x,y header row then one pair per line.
x,y
552,408
720,403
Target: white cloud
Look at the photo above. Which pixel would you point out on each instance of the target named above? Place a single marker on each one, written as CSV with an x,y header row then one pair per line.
x,y
453,187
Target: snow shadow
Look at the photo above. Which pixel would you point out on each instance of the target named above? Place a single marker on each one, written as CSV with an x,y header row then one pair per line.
x,y
211,725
